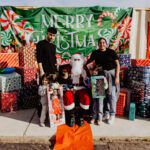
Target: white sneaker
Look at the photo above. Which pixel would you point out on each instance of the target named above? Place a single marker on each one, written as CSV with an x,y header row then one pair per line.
x,y
42,124
111,120
106,117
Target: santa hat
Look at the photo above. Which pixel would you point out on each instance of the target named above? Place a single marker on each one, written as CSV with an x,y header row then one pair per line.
x,y
77,56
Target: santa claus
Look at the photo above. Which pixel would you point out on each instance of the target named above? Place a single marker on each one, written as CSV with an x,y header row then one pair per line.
x,y
76,97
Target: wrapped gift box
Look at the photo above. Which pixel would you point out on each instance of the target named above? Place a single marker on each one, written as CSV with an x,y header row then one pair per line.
x,y
56,108
27,56
143,109
8,101
128,97
28,97
120,108
28,75
125,59
9,60
10,82
139,73
137,94
140,62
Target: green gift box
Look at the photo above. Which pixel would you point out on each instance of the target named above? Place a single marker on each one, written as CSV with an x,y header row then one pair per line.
x,y
132,111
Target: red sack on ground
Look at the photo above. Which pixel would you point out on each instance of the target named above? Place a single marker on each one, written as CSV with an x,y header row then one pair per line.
x,y
74,138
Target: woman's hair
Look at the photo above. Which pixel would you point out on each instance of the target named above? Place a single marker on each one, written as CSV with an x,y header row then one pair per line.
x,y
101,38
43,78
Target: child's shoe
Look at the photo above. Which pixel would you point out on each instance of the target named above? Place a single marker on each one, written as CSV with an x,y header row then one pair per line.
x,y
42,124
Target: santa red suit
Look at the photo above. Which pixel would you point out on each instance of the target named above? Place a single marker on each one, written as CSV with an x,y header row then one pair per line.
x,y
78,77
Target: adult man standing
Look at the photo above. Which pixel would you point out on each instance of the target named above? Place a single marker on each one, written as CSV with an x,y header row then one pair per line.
x,y
108,59
46,53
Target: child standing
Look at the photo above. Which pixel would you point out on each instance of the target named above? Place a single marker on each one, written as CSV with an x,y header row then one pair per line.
x,y
42,91
97,114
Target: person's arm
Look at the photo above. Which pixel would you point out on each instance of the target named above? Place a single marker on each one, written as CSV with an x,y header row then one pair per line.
x,y
117,72
39,56
105,83
41,69
92,58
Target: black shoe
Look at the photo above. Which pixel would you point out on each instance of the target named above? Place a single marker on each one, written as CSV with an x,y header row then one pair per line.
x,y
80,122
72,122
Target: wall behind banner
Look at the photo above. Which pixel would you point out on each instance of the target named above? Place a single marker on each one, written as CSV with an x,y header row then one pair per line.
x,y
78,28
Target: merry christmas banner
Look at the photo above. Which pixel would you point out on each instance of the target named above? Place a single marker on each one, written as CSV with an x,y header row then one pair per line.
x,y
79,28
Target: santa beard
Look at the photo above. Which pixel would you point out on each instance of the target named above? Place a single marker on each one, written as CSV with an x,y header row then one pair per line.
x,y
77,68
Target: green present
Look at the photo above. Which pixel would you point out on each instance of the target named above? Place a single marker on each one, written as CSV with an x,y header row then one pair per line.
x,y
132,111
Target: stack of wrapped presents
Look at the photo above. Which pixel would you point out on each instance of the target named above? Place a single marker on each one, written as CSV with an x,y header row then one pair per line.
x,y
135,82
18,86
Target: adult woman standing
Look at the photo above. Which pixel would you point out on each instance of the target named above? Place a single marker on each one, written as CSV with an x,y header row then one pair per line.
x,y
108,59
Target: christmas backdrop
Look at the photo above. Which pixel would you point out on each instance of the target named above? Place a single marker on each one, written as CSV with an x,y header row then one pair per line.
x,y
79,28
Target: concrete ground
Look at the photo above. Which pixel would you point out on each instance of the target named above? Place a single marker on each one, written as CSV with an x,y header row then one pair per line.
x,y
25,123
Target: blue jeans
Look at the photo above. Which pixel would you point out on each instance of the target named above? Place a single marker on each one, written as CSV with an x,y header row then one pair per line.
x,y
98,108
110,103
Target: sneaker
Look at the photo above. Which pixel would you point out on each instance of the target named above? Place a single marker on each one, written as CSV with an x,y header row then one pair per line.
x,y
42,124
92,121
111,120
106,117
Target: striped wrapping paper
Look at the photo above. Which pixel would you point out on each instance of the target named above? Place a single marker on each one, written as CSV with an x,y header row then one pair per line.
x,y
125,59
27,56
28,75
10,82
140,62
9,60
8,101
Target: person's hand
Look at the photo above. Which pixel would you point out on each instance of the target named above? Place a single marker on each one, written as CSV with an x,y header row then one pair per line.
x,y
41,73
54,76
117,81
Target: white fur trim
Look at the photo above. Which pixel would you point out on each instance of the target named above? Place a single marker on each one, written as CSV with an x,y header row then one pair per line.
x,y
69,107
79,87
84,106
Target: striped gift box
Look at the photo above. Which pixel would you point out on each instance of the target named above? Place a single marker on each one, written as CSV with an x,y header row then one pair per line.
x,y
9,60
140,62
125,59
120,108
27,56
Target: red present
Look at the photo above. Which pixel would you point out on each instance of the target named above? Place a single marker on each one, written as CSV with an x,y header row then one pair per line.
x,y
28,75
128,97
140,62
27,56
8,101
9,60
120,108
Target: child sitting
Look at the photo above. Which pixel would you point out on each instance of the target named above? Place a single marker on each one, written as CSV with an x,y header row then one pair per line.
x,y
42,91
100,91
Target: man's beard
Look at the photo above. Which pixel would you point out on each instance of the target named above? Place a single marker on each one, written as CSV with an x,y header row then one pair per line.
x,y
77,68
